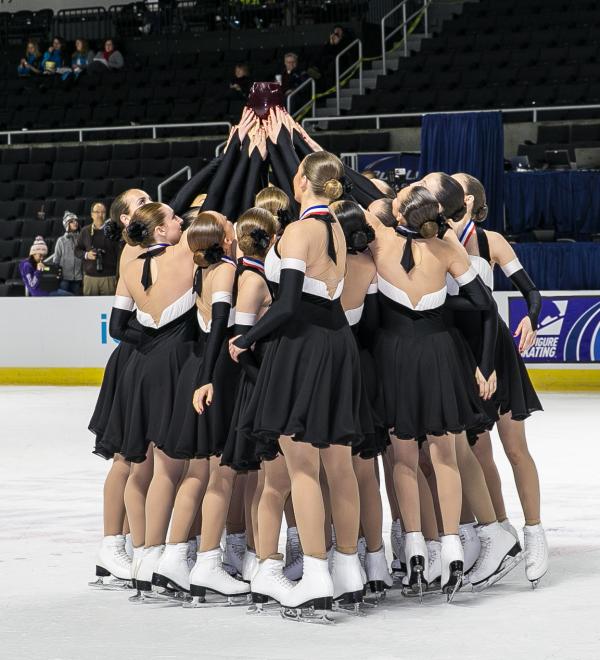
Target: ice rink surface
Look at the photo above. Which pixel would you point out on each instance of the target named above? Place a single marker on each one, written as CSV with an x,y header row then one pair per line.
x,y
50,528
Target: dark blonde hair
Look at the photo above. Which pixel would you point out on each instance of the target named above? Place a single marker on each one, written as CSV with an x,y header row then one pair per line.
x,y
35,45
324,172
420,209
205,238
255,229
140,231
473,186
277,202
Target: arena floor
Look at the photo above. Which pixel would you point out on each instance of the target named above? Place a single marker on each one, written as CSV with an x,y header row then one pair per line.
x,y
50,513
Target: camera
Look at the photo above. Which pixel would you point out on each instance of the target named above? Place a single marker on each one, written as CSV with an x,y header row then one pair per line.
x,y
100,259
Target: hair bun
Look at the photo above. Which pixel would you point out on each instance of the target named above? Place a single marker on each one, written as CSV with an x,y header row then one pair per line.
x,y
358,240
137,232
260,239
333,189
212,254
284,218
429,229
112,231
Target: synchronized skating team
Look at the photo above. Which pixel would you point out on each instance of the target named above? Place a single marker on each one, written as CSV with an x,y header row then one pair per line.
x,y
284,323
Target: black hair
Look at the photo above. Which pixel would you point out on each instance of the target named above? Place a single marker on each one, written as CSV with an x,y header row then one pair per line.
x,y
449,193
357,230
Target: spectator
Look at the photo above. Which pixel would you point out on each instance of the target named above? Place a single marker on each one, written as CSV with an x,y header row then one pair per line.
x,y
100,256
54,60
323,68
31,270
291,77
109,59
31,62
241,83
80,60
64,255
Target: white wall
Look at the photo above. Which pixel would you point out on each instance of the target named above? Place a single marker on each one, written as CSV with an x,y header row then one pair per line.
x,y
34,5
73,332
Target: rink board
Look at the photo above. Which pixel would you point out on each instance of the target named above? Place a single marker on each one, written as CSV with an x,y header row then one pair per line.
x,y
65,341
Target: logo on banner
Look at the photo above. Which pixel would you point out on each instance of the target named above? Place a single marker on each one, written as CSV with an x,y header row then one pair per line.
x,y
104,336
568,329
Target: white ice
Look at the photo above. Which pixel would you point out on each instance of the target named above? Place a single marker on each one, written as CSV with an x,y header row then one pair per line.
x,y
50,513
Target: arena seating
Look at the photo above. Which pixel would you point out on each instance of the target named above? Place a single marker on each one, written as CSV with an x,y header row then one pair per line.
x,y
564,137
508,54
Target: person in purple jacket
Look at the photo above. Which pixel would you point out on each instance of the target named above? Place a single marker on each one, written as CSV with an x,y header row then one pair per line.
x,y
32,267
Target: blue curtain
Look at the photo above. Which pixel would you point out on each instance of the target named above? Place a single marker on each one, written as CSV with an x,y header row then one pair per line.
x,y
471,142
556,266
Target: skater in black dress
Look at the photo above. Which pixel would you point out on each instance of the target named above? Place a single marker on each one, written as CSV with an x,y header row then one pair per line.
x,y
424,391
305,402
515,397
359,300
157,289
112,556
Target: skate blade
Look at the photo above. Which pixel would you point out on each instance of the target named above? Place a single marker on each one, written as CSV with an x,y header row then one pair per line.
x,y
264,609
113,585
169,595
507,565
374,599
352,609
307,615
450,593
200,602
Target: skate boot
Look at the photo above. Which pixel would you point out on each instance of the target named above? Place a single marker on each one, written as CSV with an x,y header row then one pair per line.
x,y
499,555
433,574
416,562
113,561
378,575
235,547
269,584
145,570
348,583
397,541
249,565
192,551
505,524
536,553
293,555
209,576
452,560
129,546
171,577
471,547
310,601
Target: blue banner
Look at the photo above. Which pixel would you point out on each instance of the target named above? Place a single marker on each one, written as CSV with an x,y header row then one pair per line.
x,y
569,329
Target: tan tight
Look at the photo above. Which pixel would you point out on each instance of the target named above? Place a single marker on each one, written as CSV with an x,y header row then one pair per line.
x,y
114,503
260,485
216,504
473,482
429,523
303,462
514,441
236,520
443,458
328,520
371,510
485,455
136,489
275,492
161,497
290,518
249,490
187,514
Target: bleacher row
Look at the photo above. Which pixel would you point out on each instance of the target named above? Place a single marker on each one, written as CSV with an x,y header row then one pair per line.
x,y
567,137
176,88
499,55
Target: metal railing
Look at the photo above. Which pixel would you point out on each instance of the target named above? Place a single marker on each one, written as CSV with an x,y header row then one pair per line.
x,y
407,115
404,26
309,82
153,128
352,67
187,170
83,23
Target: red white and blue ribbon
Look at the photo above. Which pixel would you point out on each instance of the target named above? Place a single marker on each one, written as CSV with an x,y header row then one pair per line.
x,y
228,260
467,232
257,264
317,209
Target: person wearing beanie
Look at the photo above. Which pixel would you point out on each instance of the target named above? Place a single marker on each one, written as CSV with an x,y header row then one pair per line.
x,y
32,267
100,255
65,257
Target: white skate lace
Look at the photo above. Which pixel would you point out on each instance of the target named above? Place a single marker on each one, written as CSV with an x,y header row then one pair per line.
x,y
225,575
279,577
535,547
486,545
121,557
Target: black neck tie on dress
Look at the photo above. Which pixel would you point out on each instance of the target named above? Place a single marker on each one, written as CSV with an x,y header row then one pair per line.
x,y
328,219
407,262
146,270
197,285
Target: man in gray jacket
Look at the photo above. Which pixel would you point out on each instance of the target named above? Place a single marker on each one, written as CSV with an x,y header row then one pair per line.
x,y
64,255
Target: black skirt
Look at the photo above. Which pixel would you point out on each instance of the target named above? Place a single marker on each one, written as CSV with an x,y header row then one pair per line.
x,y
190,435
309,383
424,383
144,397
115,367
